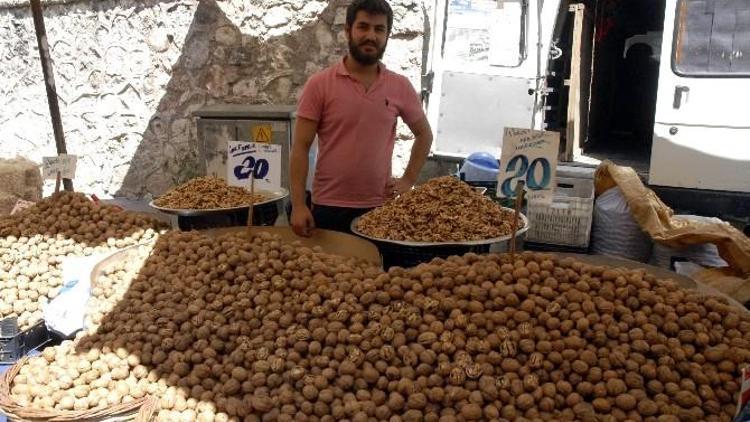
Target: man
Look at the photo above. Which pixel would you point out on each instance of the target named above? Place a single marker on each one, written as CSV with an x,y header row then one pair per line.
x,y
352,106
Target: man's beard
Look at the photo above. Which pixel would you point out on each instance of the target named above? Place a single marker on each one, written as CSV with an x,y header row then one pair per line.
x,y
365,58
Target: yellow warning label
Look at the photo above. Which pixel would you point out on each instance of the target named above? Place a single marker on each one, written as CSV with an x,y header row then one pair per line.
x,y
262,133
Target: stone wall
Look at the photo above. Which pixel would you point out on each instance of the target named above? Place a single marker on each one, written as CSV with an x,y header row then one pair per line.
x,y
130,73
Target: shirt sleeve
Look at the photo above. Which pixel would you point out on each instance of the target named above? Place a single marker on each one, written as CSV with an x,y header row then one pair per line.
x,y
310,104
412,104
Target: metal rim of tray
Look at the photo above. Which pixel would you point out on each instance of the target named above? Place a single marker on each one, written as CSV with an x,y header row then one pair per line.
x,y
272,196
450,243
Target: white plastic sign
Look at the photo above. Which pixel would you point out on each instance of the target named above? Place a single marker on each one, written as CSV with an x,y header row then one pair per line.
x,y
63,163
258,160
531,156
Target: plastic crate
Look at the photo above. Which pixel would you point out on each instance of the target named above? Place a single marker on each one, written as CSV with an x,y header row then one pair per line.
x,y
263,215
35,338
567,220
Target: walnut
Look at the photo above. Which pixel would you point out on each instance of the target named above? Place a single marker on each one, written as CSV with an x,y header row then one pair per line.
x,y
441,210
457,376
625,401
686,399
535,360
530,382
647,407
525,401
615,387
508,348
474,371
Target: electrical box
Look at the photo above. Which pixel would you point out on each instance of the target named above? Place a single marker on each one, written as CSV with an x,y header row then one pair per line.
x,y
220,123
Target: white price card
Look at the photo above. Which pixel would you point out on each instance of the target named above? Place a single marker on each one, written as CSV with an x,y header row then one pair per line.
x,y
531,156
252,159
63,163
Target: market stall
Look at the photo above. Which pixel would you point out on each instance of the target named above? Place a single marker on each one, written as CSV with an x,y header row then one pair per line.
x,y
246,324
415,317
219,327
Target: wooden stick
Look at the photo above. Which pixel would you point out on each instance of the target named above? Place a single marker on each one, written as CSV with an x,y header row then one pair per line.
x,y
519,201
57,183
252,203
49,82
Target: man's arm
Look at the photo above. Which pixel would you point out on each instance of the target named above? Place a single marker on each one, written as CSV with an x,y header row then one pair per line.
x,y
419,151
304,135
422,143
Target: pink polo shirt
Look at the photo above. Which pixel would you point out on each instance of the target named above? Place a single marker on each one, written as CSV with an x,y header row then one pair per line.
x,y
356,133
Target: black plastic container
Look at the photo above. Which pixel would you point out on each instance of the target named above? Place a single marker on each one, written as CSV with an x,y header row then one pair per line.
x,y
409,256
263,215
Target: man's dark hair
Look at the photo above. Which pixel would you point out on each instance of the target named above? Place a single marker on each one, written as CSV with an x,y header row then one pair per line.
x,y
373,7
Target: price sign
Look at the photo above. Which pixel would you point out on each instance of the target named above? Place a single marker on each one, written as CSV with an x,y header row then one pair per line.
x,y
251,159
531,156
63,163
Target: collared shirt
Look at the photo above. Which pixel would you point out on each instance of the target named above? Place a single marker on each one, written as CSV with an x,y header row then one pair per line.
x,y
356,132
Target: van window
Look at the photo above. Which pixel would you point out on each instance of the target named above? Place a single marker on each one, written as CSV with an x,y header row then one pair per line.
x,y
712,38
486,32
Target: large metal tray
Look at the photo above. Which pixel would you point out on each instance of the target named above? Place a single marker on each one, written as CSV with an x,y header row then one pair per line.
x,y
660,273
272,196
464,243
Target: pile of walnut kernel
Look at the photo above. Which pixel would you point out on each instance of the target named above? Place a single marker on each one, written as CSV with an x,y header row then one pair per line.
x,y
207,193
444,209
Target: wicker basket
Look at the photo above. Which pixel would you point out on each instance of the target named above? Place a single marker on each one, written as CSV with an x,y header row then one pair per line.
x,y
139,410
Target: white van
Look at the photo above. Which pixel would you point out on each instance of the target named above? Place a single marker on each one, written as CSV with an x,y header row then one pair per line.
x,y
658,85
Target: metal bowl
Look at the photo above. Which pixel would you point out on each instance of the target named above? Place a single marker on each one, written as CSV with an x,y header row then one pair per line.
x,y
271,196
458,243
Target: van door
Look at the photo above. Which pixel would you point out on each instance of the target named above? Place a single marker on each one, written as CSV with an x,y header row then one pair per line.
x,y
485,58
702,124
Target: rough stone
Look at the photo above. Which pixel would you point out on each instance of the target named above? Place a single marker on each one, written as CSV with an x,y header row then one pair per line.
x,y
199,51
276,16
245,88
324,36
227,35
406,22
180,129
311,9
158,40
340,16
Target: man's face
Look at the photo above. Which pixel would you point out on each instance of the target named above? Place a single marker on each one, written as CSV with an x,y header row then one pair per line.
x,y
368,37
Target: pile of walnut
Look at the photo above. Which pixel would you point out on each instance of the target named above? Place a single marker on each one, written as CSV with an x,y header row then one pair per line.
x,y
34,242
249,328
444,209
207,193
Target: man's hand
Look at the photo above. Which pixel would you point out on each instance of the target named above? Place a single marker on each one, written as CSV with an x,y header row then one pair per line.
x,y
302,221
396,187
